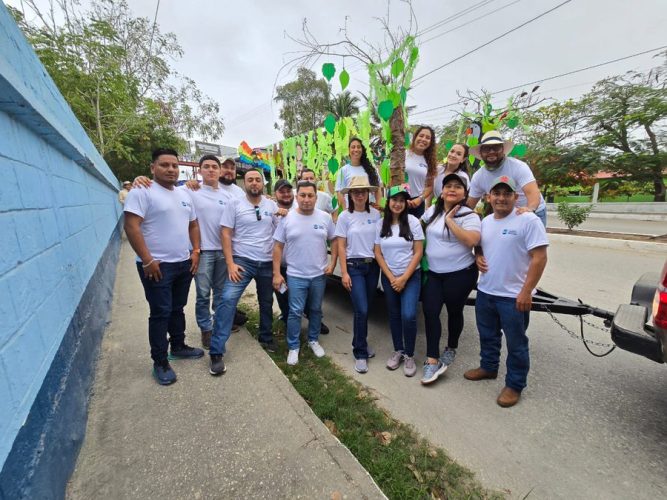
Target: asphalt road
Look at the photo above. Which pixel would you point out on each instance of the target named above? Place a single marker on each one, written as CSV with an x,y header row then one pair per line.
x,y
654,228
586,427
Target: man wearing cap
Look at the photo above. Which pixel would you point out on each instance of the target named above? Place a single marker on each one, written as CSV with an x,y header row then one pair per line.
x,y
494,150
511,257
303,235
122,194
247,243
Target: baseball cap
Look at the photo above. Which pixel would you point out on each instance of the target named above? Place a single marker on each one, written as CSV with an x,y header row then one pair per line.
x,y
456,176
281,183
503,179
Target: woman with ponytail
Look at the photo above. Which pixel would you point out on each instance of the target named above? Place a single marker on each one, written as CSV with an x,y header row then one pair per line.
x,y
421,164
359,165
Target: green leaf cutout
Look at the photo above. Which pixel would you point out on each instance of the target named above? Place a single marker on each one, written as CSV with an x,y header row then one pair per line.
x,y
333,165
385,109
328,70
344,78
397,67
330,123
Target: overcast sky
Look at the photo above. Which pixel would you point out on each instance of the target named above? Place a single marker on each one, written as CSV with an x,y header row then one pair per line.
x,y
234,49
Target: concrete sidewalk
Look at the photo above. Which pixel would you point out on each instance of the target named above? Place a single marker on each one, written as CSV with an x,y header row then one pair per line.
x,y
247,434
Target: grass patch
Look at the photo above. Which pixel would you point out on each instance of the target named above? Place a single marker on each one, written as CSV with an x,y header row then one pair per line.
x,y
402,463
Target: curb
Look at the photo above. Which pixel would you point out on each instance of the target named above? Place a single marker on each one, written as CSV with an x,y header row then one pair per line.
x,y
601,242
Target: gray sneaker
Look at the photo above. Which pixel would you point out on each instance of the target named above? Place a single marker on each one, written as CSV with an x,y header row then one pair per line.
x,y
432,372
448,356
395,360
409,367
361,365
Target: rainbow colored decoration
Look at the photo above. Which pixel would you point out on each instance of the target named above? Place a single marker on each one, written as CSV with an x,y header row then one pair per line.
x,y
254,157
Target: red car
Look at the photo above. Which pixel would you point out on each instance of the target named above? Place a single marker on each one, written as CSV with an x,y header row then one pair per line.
x,y
641,326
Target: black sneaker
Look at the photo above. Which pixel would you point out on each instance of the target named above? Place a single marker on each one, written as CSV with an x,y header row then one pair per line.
x,y
324,329
270,346
186,352
163,373
240,318
217,366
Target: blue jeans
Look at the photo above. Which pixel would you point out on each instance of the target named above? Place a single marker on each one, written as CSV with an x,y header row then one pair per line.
x,y
262,273
403,313
300,290
166,299
364,276
211,275
494,313
542,214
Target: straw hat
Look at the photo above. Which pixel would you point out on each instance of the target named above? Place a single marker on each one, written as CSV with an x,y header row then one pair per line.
x,y
492,137
358,182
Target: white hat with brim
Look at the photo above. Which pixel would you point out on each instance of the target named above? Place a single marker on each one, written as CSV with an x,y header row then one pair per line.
x,y
358,182
492,137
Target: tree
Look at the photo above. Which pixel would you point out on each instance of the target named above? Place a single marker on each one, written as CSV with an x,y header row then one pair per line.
x,y
627,115
305,103
344,104
113,70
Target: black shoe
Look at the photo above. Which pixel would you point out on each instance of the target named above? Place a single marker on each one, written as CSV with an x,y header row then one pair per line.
x,y
240,318
186,352
163,373
270,346
324,329
206,339
217,366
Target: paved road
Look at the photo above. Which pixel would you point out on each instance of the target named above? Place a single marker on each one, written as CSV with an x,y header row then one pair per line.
x,y
585,427
615,225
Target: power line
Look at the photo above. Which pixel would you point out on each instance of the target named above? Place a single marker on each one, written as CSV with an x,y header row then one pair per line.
x,y
492,40
452,17
593,66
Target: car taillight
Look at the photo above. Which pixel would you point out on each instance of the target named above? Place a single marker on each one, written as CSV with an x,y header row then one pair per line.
x,y
660,302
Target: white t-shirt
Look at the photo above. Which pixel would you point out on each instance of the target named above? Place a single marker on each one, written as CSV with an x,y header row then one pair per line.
x,y
359,230
305,238
167,214
513,168
252,238
209,205
444,252
324,202
232,191
344,177
440,175
506,243
416,168
396,250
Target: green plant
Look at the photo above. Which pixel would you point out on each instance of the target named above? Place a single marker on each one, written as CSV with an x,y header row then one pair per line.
x,y
573,215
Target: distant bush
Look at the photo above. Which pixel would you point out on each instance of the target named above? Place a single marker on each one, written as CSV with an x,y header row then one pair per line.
x,y
573,215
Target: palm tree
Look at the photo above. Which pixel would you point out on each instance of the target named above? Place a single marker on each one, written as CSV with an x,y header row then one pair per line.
x,y
344,104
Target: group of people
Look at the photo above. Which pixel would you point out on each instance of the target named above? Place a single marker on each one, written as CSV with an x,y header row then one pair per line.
x,y
425,244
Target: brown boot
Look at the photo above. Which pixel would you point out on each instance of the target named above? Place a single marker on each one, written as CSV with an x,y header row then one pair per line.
x,y
480,374
508,397
206,339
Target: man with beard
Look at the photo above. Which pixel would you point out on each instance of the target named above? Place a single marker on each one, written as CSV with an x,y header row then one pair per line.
x,y
247,243
512,258
494,150
161,225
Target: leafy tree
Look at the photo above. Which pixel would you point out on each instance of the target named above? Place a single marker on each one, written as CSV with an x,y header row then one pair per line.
x,y
305,103
344,104
573,215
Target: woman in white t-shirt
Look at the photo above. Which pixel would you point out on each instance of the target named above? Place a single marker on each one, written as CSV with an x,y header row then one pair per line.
x,y
355,232
359,165
456,162
399,246
420,165
452,230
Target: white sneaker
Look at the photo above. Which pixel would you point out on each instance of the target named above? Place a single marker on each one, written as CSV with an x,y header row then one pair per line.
x,y
316,348
293,357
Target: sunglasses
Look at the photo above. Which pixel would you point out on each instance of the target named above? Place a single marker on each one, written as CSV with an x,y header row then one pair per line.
x,y
258,214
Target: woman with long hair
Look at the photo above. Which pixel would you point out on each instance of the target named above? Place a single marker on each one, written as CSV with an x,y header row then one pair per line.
x,y
399,245
456,162
359,165
355,232
452,230
420,165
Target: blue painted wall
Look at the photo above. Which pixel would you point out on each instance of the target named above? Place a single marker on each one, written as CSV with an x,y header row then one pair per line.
x,y
58,226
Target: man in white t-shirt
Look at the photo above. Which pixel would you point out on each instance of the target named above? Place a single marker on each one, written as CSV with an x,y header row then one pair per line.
x,y
494,150
303,235
161,225
512,258
247,243
324,200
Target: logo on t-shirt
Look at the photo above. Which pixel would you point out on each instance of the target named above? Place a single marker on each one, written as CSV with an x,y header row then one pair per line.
x,y
318,226
510,231
368,221
221,202
185,204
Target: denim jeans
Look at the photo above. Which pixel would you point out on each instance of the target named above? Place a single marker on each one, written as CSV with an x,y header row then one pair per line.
x,y
300,290
402,309
542,214
495,316
211,275
166,299
364,276
262,273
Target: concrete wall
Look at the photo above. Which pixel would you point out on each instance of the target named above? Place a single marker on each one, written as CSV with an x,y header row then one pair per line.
x,y
59,225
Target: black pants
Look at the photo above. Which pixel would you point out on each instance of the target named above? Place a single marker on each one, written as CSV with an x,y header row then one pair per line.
x,y
452,290
166,299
